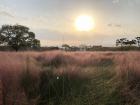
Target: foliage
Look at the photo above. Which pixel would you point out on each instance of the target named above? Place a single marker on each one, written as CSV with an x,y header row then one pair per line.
x,y
138,41
17,36
125,42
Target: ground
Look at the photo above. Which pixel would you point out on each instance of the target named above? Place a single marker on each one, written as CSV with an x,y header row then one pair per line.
x,y
69,78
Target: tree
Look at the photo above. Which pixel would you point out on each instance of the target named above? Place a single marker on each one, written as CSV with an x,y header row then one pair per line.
x,y
130,42
18,36
36,43
125,42
120,41
66,47
138,41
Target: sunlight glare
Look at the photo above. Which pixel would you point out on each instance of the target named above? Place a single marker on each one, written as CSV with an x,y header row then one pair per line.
x,y
84,23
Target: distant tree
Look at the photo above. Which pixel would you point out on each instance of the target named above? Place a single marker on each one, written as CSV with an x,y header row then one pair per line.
x,y
138,41
75,48
125,42
130,42
66,46
36,43
120,41
17,36
133,42
117,42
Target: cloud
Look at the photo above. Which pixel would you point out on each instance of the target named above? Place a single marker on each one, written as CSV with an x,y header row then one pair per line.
x,y
59,42
114,25
7,14
117,25
115,1
109,25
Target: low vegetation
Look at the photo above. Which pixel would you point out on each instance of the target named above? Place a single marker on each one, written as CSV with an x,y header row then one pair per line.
x,y
69,78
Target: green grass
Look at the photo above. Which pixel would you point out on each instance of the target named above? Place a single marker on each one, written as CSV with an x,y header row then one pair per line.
x,y
101,89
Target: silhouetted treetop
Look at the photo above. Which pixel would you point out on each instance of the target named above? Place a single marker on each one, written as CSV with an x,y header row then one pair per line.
x,y
138,41
125,42
17,36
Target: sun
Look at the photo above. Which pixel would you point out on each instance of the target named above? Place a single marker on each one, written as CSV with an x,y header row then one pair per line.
x,y
84,23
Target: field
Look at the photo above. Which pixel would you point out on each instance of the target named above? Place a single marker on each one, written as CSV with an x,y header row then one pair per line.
x,y
69,78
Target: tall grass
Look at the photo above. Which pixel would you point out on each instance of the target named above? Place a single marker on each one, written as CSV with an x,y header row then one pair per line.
x,y
69,78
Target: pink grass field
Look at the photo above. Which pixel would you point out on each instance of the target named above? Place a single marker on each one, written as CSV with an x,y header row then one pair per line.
x,y
126,66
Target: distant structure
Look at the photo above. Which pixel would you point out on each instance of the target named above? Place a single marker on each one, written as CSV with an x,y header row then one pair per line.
x,y
99,46
82,47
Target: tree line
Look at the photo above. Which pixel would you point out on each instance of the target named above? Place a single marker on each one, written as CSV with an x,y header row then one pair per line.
x,y
125,42
18,36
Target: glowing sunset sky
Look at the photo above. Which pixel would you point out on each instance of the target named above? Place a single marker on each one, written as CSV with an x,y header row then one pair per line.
x,y
53,20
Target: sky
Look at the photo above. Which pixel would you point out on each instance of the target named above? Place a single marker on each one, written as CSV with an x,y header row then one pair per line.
x,y
53,21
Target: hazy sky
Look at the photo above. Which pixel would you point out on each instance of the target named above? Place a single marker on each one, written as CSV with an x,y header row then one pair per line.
x,y
53,20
